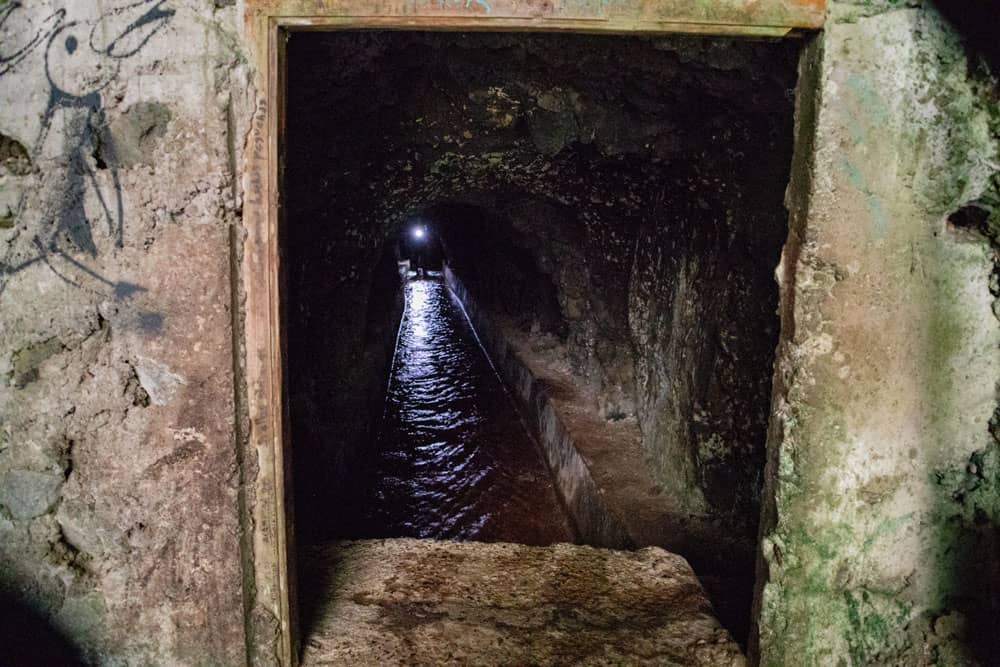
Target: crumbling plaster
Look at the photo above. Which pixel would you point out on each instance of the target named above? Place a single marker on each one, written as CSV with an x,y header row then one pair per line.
x,y
882,469
119,484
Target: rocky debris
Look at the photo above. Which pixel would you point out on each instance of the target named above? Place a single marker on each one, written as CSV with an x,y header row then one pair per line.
x,y
422,602
157,380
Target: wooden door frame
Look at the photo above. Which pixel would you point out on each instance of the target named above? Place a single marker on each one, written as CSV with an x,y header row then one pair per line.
x,y
265,23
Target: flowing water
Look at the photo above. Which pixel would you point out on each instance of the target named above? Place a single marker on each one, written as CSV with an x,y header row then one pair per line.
x,y
455,459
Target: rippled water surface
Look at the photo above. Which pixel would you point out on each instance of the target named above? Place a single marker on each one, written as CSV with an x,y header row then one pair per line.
x,y
455,461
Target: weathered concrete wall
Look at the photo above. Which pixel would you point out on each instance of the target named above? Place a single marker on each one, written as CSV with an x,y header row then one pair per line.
x,y
878,547
122,125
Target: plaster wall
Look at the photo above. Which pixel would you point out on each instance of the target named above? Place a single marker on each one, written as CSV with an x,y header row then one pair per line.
x,y
122,128
882,472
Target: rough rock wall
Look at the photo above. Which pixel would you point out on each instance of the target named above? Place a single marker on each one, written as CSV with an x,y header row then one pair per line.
x,y
879,545
119,479
702,320
340,365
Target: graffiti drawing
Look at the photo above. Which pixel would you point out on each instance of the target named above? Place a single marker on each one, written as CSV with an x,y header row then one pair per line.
x,y
16,46
82,57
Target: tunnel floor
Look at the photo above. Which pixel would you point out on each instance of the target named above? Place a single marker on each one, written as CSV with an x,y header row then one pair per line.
x,y
454,458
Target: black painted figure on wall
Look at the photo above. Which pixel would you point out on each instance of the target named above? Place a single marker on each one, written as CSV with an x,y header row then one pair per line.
x,y
81,59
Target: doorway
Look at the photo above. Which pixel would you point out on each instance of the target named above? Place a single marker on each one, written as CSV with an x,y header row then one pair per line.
x,y
553,134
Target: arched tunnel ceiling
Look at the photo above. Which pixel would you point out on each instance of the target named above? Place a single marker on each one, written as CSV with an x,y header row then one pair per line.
x,y
393,122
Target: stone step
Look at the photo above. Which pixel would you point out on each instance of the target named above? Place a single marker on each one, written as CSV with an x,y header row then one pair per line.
x,y
428,602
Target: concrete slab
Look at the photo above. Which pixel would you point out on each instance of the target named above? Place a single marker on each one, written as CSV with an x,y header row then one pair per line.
x,y
423,602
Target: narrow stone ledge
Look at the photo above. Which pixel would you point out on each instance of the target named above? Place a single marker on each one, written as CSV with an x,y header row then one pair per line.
x,y
599,464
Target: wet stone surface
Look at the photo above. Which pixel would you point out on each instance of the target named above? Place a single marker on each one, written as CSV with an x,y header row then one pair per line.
x,y
454,460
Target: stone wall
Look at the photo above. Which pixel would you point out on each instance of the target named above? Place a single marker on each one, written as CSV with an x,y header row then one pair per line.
x,y
701,317
339,366
878,547
122,126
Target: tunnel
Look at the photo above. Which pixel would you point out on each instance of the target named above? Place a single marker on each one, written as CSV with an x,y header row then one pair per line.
x,y
512,261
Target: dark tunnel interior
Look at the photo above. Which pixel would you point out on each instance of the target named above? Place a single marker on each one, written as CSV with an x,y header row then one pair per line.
x,y
615,204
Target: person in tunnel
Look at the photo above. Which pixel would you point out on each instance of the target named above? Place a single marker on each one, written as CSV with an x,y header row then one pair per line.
x,y
423,250
419,235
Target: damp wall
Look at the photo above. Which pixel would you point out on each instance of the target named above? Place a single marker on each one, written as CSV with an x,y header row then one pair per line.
x,y
880,523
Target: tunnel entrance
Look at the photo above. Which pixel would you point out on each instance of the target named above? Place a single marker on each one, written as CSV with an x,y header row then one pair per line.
x,y
602,218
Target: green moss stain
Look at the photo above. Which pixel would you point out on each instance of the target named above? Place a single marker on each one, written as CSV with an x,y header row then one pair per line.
x,y
873,622
868,100
26,361
825,602
887,527
853,173
873,203
964,119
968,510
816,582
880,219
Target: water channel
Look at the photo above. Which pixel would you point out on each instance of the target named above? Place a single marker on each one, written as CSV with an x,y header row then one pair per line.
x,y
455,459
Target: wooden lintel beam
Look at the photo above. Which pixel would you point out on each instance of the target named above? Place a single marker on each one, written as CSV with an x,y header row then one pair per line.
x,y
723,17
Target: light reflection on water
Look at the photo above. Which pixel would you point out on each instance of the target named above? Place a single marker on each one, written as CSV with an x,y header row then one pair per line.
x,y
455,460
